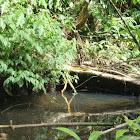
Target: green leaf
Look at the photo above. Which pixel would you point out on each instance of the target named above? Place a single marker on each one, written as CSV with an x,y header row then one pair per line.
x,y
3,66
2,23
41,30
34,2
6,82
28,57
50,4
135,1
68,131
43,3
138,120
129,138
3,7
20,83
11,23
21,20
136,126
17,79
36,24
56,4
38,48
94,135
28,79
120,133
130,122
3,40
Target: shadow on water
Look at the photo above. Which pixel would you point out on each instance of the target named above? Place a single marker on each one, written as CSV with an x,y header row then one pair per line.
x,y
52,108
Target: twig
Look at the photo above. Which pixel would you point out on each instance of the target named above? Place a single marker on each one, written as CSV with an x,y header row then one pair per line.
x,y
133,36
72,86
75,92
114,128
55,124
85,81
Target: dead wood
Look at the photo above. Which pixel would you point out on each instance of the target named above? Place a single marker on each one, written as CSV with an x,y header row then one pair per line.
x,y
55,124
83,16
80,21
105,74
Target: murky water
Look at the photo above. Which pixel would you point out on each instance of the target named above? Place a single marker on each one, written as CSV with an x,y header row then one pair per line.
x,y
52,108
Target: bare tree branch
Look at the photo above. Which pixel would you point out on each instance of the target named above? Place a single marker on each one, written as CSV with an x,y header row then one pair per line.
x,y
55,124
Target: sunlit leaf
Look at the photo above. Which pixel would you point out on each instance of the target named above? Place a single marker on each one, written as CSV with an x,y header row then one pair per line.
x,y
3,40
68,131
41,30
130,122
21,20
6,82
3,7
28,57
36,24
50,4
138,120
34,2
2,23
94,135
56,4
135,1
38,48
120,133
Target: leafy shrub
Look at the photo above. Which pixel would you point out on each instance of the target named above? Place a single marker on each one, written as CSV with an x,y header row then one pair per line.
x,y
31,45
93,136
133,132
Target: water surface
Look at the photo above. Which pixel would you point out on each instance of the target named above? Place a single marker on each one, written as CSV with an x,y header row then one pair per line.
x,y
52,108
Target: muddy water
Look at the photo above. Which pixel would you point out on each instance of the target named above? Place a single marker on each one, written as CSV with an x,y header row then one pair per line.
x,y
52,108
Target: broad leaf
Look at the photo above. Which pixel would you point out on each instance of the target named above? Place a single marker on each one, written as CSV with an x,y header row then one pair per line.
x,y
68,131
138,120
94,135
21,20
119,133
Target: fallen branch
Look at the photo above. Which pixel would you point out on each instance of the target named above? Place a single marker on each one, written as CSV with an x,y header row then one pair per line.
x,y
55,124
111,113
107,75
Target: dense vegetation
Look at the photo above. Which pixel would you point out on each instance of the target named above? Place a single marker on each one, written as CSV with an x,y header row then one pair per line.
x,y
38,37
31,46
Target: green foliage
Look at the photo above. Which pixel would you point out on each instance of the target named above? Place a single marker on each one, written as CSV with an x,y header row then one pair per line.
x,y
70,132
112,37
31,43
134,129
93,136
133,133
119,133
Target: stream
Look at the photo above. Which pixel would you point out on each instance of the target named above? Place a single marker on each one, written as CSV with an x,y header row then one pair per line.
x,y
52,108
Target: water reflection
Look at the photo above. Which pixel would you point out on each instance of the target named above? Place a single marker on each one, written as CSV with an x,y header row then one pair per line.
x,y
52,108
